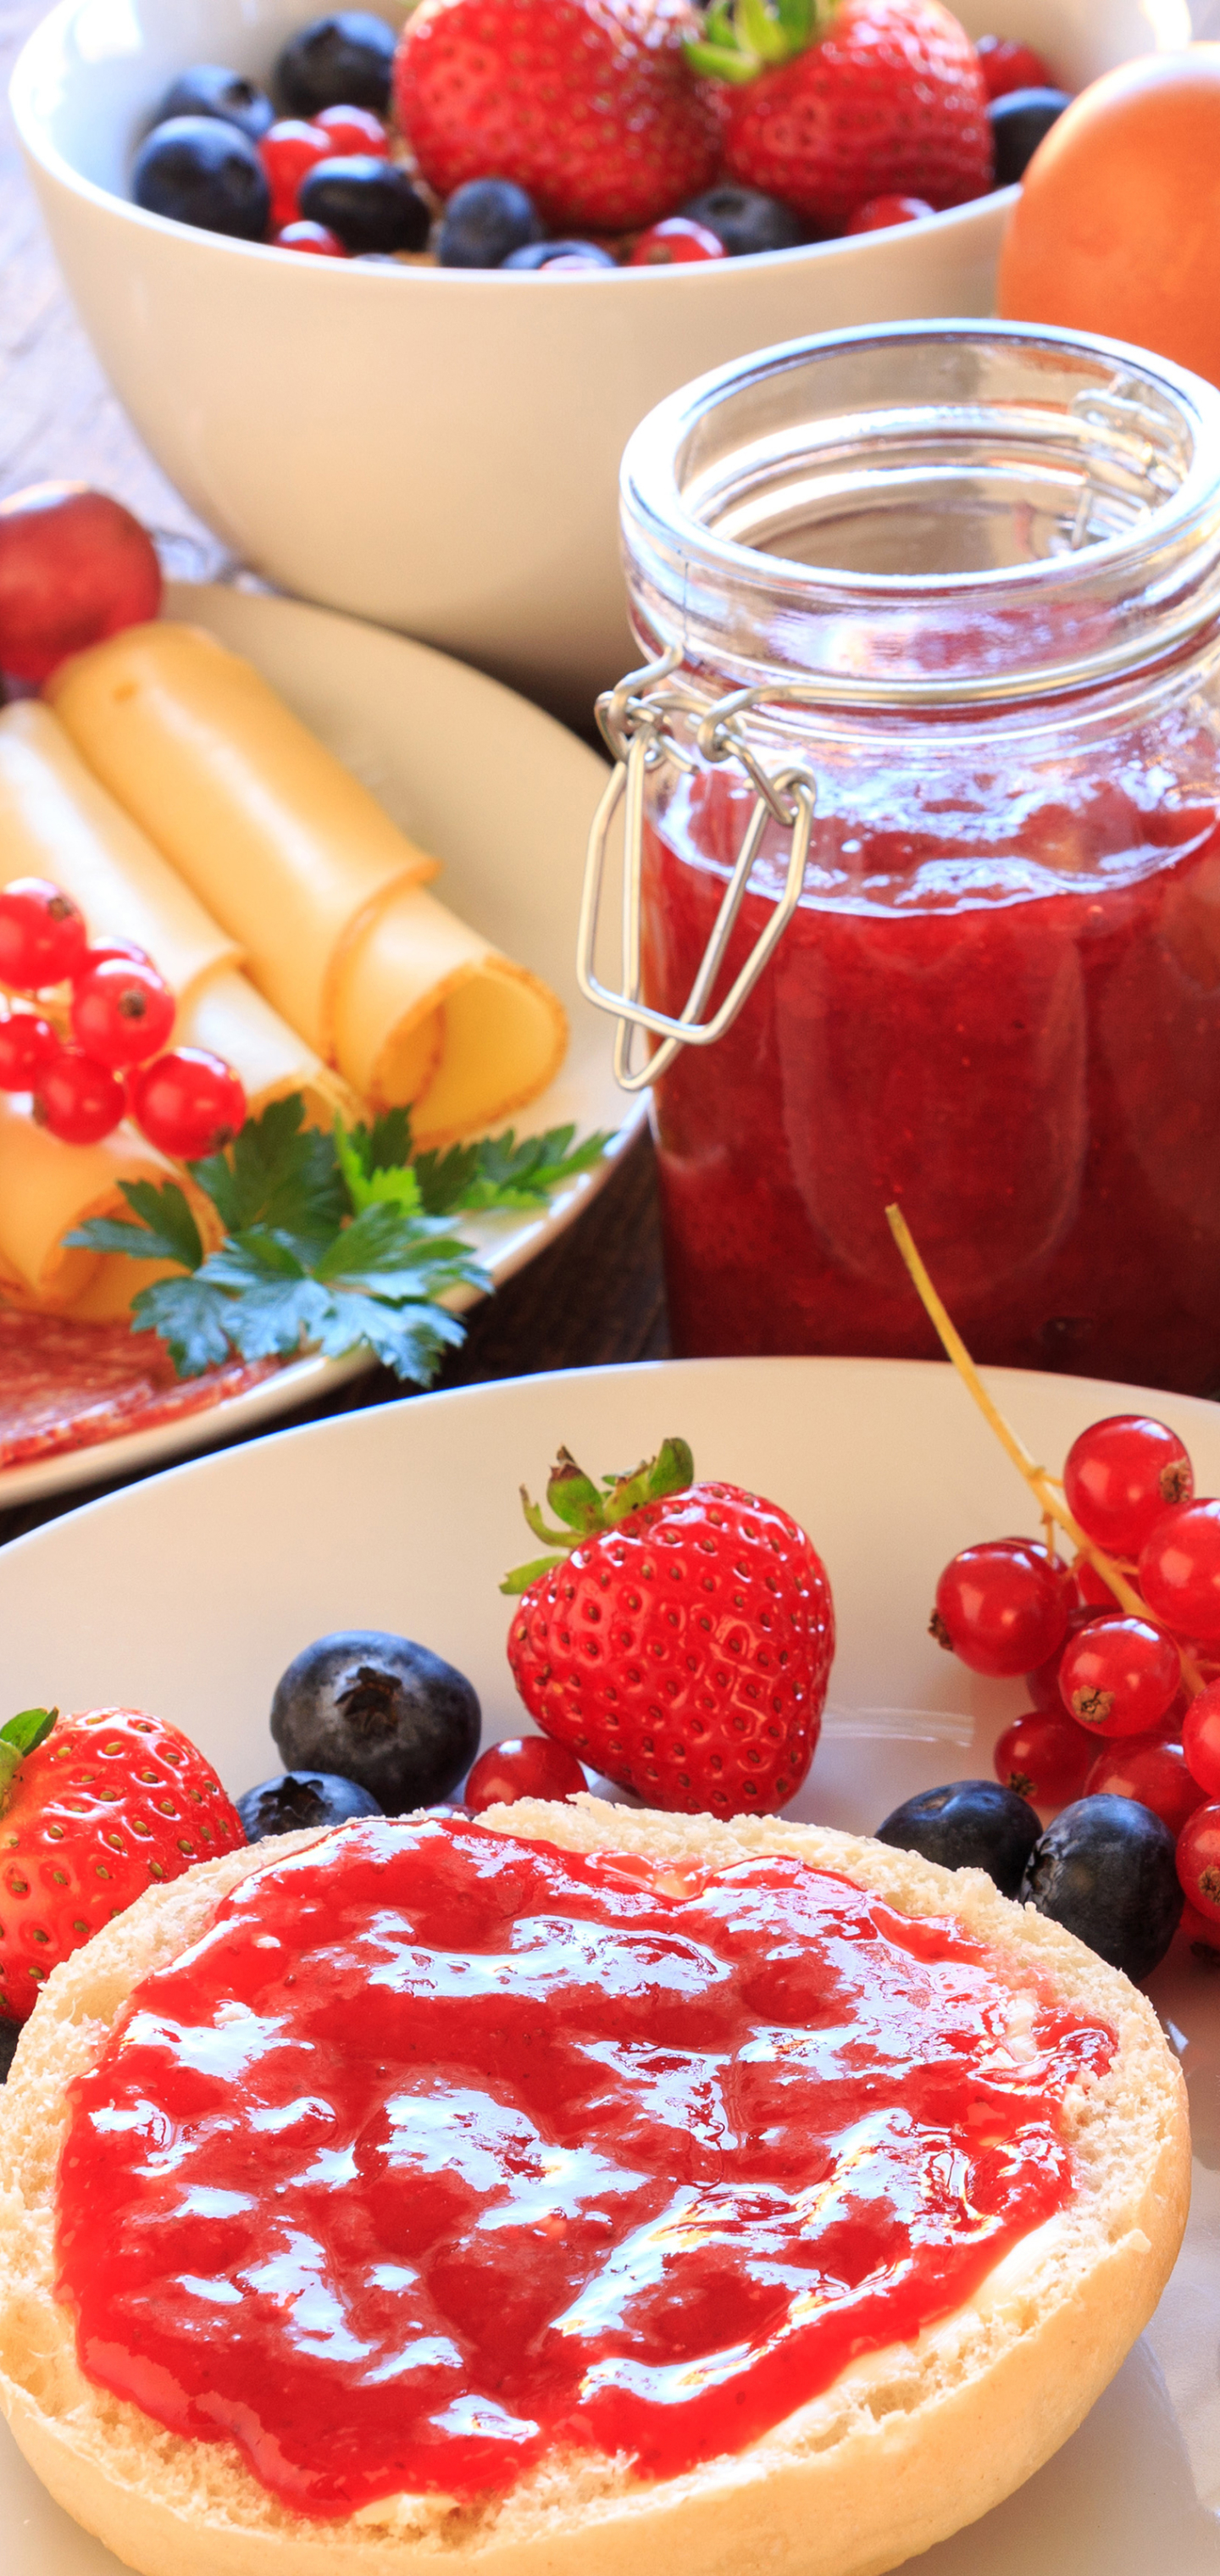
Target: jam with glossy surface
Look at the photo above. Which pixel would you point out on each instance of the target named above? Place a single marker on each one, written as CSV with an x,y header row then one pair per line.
x,y
442,2148
997,1003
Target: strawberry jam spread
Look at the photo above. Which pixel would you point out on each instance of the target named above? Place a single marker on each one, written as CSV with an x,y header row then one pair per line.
x,y
443,2149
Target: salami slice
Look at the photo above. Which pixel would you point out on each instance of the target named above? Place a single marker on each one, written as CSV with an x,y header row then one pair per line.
x,y
66,1385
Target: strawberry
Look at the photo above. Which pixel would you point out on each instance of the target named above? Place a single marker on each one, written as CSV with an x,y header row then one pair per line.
x,y
836,101
682,1646
93,1809
589,105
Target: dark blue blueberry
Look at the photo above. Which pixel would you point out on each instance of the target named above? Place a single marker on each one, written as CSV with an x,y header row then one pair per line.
x,y
1018,123
342,61
484,221
209,90
204,173
379,1710
297,1799
368,204
540,254
970,1824
1105,1869
10,2033
746,221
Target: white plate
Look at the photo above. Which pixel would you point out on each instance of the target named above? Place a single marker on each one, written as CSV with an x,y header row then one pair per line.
x,y
504,796
190,1593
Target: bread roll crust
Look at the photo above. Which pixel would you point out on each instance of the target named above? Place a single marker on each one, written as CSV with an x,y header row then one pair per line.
x,y
906,2446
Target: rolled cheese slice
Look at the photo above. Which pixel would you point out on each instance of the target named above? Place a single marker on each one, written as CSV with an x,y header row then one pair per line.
x,y
58,821
46,1189
301,865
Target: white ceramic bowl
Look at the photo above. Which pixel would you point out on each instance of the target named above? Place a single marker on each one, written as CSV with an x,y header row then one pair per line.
x,y
433,448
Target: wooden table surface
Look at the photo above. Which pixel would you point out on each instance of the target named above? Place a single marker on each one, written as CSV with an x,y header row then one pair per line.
x,y
595,1296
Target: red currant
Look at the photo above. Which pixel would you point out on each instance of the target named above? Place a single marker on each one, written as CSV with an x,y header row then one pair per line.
x,y
353,129
1179,1569
523,1766
1007,64
1199,1860
1002,1606
303,236
188,1103
27,1044
42,935
674,241
1201,1739
287,151
1043,1683
877,215
1152,1773
1043,1757
104,948
122,1012
1121,1475
78,1100
1094,1591
1200,1931
1120,1676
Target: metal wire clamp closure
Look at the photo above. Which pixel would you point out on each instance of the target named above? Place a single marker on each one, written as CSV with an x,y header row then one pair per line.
x,y
637,727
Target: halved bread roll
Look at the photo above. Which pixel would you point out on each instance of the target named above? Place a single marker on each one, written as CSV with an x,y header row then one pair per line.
x,y
906,2445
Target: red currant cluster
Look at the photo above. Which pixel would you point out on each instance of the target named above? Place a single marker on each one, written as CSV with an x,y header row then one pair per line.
x,y
1132,1671
99,1055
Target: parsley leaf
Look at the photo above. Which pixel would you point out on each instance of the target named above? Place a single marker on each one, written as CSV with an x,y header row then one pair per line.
x,y
500,1173
278,1172
166,1232
370,1181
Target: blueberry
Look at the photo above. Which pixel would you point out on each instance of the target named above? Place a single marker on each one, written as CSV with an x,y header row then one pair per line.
x,y
1018,123
209,90
369,204
540,254
1105,1869
970,1824
484,221
10,2033
344,61
379,1710
297,1799
201,172
746,221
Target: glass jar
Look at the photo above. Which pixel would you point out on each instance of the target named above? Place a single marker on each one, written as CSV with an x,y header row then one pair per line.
x,y
930,729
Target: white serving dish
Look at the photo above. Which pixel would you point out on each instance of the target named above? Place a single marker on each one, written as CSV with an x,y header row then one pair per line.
x,y
432,448
405,1518
503,796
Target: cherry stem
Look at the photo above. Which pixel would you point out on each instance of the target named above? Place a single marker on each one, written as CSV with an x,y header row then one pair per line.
x,y
1048,1493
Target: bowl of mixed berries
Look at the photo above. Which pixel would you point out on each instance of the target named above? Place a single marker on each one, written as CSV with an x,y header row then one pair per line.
x,y
386,294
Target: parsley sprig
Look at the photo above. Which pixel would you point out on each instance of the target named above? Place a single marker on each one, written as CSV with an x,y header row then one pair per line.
x,y
329,1242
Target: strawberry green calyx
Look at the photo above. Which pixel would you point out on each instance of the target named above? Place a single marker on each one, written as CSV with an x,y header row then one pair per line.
x,y
742,38
586,1510
23,1734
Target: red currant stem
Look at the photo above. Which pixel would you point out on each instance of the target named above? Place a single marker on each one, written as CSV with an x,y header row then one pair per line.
x,y
1043,1486
1048,1536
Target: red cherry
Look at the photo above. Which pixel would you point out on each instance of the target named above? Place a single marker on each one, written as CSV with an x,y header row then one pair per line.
x,y
287,151
1179,1570
1121,1475
1199,1860
1002,1606
78,1100
122,1012
74,567
310,237
187,1103
671,243
1006,64
27,1045
877,215
353,129
42,935
1044,1757
523,1766
1120,1676
1201,1739
1152,1773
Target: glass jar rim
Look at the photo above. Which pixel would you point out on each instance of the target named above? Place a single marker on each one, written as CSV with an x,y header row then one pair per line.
x,y
933,410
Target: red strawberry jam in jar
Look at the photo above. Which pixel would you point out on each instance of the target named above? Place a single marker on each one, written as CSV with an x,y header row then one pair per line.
x,y
922,786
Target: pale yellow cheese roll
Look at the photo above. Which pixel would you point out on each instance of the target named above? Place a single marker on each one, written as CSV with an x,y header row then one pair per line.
x,y
287,850
58,821
46,1189
428,1014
